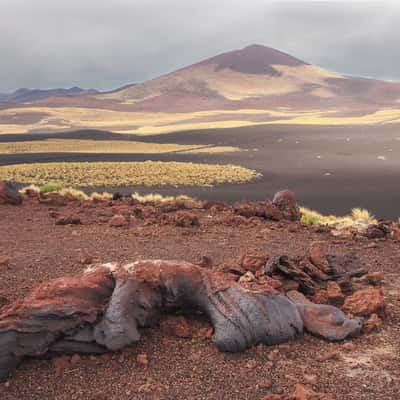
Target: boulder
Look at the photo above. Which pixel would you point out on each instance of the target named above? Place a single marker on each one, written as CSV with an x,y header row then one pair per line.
x,y
9,194
372,324
366,302
260,209
285,200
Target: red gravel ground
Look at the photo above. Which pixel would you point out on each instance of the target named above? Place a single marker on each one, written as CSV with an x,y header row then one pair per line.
x,y
191,368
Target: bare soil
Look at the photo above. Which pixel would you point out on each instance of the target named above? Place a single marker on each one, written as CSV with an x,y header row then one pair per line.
x,y
364,368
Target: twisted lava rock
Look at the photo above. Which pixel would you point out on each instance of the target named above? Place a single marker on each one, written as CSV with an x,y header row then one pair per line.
x,y
105,309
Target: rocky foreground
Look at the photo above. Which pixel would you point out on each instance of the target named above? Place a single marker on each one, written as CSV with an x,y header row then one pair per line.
x,y
261,247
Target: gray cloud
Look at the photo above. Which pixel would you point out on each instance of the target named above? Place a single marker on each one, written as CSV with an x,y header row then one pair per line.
x,y
47,43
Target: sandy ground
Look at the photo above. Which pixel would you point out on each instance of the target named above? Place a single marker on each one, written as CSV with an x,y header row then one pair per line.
x,y
332,169
365,368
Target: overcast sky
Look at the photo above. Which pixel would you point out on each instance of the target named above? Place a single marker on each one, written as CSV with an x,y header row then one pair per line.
x,y
106,44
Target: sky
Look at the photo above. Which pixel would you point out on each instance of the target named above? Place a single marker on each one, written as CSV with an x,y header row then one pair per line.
x,y
107,44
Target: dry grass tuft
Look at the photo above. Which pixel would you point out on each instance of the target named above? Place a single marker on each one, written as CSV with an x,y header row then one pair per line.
x,y
158,198
107,147
363,215
358,216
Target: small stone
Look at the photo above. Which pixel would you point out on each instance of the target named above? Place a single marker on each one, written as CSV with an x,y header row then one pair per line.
x,y
118,221
186,219
301,392
60,363
373,323
317,255
247,277
4,261
310,379
349,346
251,364
206,262
70,220
76,359
330,355
142,359
253,263
374,278
85,258
272,396
264,383
175,326
273,355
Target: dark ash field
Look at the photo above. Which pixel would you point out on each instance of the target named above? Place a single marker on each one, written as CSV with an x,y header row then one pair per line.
x,y
331,168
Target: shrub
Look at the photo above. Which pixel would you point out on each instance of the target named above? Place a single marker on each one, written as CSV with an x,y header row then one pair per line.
x,y
311,217
50,187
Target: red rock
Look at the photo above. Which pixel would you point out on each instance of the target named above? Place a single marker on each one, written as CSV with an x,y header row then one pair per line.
x,y
365,302
317,255
142,359
374,278
373,324
285,200
9,194
331,295
118,221
176,326
301,392
249,209
186,219
321,297
264,383
289,285
275,283
271,211
253,262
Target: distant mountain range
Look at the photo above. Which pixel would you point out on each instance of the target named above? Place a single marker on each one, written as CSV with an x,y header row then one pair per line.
x,y
27,95
253,85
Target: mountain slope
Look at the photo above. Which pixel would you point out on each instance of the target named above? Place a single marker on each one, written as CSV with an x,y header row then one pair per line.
x,y
250,86
26,95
